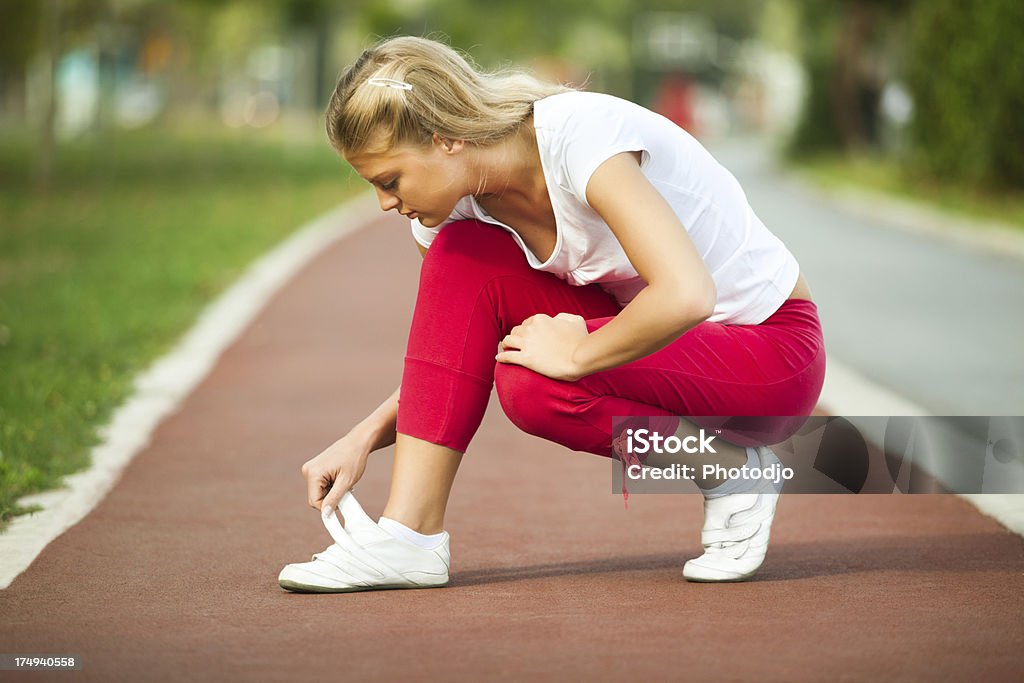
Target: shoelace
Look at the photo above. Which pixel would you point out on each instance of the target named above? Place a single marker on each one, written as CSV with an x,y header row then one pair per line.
x,y
627,459
663,424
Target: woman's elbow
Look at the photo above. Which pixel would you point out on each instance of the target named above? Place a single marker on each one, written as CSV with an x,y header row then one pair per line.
x,y
709,299
697,303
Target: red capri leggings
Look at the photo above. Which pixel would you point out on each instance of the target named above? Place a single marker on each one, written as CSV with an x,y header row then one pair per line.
x,y
476,285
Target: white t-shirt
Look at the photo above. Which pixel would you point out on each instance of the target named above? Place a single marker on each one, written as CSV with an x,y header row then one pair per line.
x,y
753,270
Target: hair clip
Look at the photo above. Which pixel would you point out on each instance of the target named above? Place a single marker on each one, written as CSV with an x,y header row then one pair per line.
x,y
389,83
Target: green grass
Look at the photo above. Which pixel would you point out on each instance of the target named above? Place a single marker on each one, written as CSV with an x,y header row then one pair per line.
x,y
889,177
102,275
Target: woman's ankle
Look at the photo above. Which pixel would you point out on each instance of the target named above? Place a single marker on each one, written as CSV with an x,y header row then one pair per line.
x,y
401,531
421,521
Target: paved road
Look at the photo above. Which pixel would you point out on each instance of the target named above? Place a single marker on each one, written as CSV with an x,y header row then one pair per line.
x,y
935,322
173,576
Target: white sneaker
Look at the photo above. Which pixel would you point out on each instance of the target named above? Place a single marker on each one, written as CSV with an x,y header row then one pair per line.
x,y
736,530
366,557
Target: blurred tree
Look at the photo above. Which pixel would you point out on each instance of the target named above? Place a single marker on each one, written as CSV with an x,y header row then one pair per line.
x,y
966,75
494,33
315,18
818,129
734,19
47,149
854,92
31,31
594,36
590,35
845,49
19,40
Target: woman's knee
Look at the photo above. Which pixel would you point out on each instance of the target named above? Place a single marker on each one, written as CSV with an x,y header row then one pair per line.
x,y
474,242
467,255
549,409
530,400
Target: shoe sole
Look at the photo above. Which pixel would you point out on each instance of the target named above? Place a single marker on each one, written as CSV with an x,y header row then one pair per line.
x,y
296,587
739,579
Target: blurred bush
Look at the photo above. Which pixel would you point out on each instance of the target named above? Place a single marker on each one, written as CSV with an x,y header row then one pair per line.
x,y
966,75
817,130
850,51
956,68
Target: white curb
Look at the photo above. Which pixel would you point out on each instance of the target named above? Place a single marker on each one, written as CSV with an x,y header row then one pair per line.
x,y
847,392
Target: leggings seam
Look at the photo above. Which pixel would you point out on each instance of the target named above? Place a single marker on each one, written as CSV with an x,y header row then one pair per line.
x,y
488,383
481,380
476,304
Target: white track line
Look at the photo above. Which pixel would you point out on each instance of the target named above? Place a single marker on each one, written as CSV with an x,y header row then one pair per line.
x,y
847,392
160,390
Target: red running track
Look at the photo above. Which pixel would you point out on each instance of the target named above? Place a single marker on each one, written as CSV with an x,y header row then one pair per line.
x,y
173,575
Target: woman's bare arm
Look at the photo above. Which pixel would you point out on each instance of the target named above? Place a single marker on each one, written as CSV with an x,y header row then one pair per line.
x,y
378,428
680,292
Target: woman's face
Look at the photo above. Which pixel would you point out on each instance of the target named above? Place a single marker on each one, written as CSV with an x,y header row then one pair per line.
x,y
418,182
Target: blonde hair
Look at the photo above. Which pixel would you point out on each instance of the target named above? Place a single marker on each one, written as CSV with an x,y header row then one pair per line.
x,y
447,96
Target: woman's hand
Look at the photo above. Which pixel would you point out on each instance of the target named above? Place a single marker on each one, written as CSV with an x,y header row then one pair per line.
x,y
335,471
545,345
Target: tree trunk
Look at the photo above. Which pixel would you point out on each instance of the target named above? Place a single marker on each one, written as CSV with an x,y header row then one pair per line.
x,y
858,19
43,175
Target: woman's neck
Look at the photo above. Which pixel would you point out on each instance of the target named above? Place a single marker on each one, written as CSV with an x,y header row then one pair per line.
x,y
510,170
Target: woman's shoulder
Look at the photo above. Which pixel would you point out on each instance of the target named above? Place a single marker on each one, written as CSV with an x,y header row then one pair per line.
x,y
575,103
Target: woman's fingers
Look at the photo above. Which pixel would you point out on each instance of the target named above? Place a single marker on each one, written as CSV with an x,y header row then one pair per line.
x,y
510,348
334,495
512,341
316,486
514,357
320,484
519,329
535,317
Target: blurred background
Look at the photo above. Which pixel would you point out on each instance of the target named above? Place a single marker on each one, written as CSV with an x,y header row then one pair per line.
x,y
150,149
847,75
